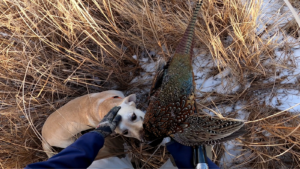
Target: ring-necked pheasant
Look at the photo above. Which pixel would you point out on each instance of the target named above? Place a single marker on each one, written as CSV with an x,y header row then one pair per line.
x,y
172,108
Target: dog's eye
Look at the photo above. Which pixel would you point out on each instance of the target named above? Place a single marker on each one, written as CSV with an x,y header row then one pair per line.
x,y
133,117
125,132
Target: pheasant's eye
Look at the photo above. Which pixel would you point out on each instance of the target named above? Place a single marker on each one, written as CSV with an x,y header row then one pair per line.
x,y
125,132
133,117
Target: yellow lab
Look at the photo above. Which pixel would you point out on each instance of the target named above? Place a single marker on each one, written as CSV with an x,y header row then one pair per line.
x,y
85,113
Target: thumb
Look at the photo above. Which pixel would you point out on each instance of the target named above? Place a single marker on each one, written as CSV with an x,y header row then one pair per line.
x,y
116,120
113,112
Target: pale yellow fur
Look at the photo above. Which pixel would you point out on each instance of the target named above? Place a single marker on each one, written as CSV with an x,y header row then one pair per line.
x,y
80,114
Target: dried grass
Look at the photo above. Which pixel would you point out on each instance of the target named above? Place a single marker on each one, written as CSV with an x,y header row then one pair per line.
x,y
53,51
295,4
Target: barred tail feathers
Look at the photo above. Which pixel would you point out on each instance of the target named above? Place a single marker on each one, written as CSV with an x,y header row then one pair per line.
x,y
186,42
209,130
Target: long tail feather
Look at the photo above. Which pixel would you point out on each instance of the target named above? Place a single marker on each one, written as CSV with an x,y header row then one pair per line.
x,y
185,44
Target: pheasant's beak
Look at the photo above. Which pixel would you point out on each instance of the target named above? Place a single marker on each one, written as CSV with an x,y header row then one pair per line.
x,y
154,142
142,136
149,138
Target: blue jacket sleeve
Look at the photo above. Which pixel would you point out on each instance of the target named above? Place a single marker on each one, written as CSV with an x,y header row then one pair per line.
x,y
80,154
183,156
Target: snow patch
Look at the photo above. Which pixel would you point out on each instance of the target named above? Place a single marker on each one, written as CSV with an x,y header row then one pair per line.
x,y
149,67
285,99
231,152
226,109
134,57
4,34
222,83
273,12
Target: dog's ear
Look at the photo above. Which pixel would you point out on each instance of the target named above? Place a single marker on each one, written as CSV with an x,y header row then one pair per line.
x,y
130,100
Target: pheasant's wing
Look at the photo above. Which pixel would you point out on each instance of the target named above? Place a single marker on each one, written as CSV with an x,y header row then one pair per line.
x,y
157,81
208,130
158,78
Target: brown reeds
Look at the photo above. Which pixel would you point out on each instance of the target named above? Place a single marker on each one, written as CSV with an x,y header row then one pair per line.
x,y
53,51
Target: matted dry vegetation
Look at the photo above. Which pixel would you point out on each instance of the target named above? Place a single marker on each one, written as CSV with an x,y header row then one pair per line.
x,y
53,51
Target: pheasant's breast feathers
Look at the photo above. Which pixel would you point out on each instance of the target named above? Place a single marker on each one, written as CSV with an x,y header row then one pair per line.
x,y
165,119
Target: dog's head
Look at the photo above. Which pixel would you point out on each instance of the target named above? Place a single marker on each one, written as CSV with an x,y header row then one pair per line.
x,y
131,124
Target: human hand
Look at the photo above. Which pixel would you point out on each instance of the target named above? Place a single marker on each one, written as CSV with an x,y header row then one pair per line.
x,y
109,123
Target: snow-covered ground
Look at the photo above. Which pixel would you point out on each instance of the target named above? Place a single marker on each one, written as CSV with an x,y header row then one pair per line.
x,y
276,12
284,99
219,83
